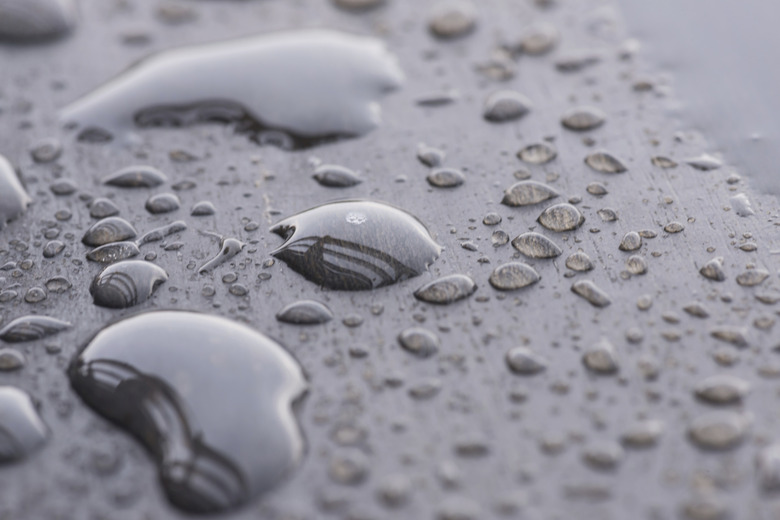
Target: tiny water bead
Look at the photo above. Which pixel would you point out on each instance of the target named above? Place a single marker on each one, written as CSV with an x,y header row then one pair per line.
x,y
355,245
126,284
13,197
305,312
32,328
140,176
22,431
298,89
166,377
526,193
31,20
447,289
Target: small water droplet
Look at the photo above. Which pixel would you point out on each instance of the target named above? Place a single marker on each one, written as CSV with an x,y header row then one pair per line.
x,y
741,205
631,241
102,208
63,187
419,341
752,277
561,217
305,312
607,214
696,310
430,156
11,360
642,434
605,162
229,248
53,248
603,454
736,336
583,118
35,295
114,252
447,289
713,270
513,276
58,285
768,467
704,162
136,177
579,262
13,198
539,39
537,153
535,245
597,189
452,18
499,238
524,361
601,358
719,430
31,20
492,219
722,389
663,162
162,203
674,227
333,176
506,105
126,284
525,193
577,60
446,178
46,151
636,265
203,209
358,5
590,292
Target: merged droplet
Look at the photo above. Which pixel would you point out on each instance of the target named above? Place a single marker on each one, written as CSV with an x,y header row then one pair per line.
x,y
526,193
538,153
26,20
535,245
229,248
111,229
305,312
139,176
22,431
126,284
32,328
605,162
591,293
561,217
355,245
447,289
211,399
114,252
583,118
513,276
333,176
297,89
13,197
506,105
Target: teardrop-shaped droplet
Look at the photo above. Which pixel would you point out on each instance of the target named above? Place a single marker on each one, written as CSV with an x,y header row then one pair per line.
x,y
538,153
111,229
535,245
506,105
229,248
305,312
561,217
211,400
136,177
583,118
524,361
419,341
162,203
605,162
355,245
22,431
447,289
333,176
298,89
114,252
526,193
29,20
32,328
513,276
126,284
13,197
590,292
580,262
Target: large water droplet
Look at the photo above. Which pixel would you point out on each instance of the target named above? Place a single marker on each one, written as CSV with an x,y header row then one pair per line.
x,y
25,20
525,193
211,399
297,89
447,289
535,245
32,328
22,431
13,198
355,245
126,284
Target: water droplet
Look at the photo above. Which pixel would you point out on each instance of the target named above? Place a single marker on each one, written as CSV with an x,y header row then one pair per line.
x,y
697,310
674,227
631,241
299,88
58,285
136,177
597,189
603,454
11,360
111,229
229,248
419,341
713,270
203,209
35,295
305,312
114,252
590,292
446,178
30,20
447,289
607,215
719,430
126,284
537,153
525,193
601,358
430,156
358,5
394,491
752,277
561,217
162,203
736,336
513,276
23,430
768,467
102,208
704,162
53,248
506,105
210,398
663,162
32,328
705,508
636,265
642,434
741,205
349,469
46,151
577,60
535,245
605,162
499,238
355,245
722,389
452,18
157,234
63,187
492,219
583,118
644,302
539,39
13,198
579,261
524,361
333,176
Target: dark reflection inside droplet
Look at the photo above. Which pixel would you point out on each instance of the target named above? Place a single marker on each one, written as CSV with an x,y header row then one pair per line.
x,y
355,245
13,197
22,430
211,399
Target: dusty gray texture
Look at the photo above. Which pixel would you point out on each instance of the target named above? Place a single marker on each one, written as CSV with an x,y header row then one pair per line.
x,y
529,453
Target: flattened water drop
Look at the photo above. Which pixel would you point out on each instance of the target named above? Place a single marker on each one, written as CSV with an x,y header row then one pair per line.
x,y
297,89
447,289
526,193
524,361
538,153
579,262
229,248
535,245
704,162
111,229
513,276
305,312
591,293
162,203
32,328
203,209
674,227
752,277
136,177
722,389
718,430
114,252
419,341
333,176
561,217
605,162
584,118
13,197
355,245
126,284
22,431
29,20
506,105
210,399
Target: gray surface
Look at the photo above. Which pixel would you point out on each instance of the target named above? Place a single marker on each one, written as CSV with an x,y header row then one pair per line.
x,y
417,439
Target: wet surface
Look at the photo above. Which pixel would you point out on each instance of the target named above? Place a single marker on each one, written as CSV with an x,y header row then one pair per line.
x,y
611,427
